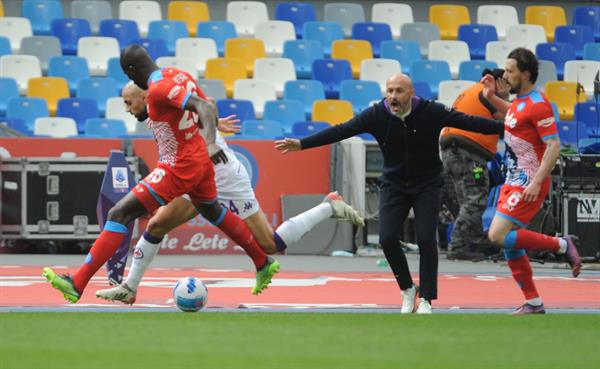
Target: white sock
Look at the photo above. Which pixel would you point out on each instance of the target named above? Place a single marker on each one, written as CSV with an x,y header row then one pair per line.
x,y
294,228
534,302
562,244
143,254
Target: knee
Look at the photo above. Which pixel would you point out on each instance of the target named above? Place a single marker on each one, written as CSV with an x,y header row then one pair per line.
x,y
496,237
156,227
388,242
211,211
116,214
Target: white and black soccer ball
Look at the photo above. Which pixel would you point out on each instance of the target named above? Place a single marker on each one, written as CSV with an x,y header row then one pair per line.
x,y
190,294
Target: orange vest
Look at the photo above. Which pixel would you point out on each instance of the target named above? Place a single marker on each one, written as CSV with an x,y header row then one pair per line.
x,y
468,102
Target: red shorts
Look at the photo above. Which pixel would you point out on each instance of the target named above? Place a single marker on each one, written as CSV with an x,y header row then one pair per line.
x,y
512,207
164,184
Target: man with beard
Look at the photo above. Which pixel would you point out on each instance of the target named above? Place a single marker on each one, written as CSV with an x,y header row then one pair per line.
x,y
407,129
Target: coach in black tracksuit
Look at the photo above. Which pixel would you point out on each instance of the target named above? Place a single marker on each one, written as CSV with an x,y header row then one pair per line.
x,y
407,129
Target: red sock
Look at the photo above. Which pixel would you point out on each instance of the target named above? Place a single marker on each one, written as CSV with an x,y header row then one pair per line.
x,y
103,249
238,231
523,275
531,240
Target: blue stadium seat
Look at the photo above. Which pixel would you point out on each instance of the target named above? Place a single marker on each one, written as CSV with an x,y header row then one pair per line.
x,y
374,32
331,72
588,16
589,114
41,13
306,128
28,109
471,70
156,48
567,132
423,90
168,30
106,128
558,53
115,72
360,93
17,124
264,129
477,36
576,35
286,112
79,109
243,109
68,31
405,51
307,92
303,53
591,51
296,12
125,31
324,32
70,67
99,89
8,90
432,72
5,48
219,31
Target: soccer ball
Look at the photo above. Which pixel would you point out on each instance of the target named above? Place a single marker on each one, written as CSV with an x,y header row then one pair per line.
x,y
190,294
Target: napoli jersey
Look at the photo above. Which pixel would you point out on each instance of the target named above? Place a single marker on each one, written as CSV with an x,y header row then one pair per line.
x,y
528,122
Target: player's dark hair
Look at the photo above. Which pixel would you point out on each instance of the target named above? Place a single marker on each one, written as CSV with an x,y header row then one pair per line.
x,y
497,73
526,61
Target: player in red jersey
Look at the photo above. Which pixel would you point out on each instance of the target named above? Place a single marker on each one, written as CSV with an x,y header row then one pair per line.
x,y
176,110
532,146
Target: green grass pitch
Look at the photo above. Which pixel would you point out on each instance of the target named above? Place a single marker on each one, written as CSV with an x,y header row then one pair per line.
x,y
296,340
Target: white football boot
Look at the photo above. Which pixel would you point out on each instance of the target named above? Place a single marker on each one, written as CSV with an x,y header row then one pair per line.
x,y
119,293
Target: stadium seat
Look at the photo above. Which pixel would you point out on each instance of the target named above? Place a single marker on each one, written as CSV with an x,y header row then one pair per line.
x,y
263,129
404,51
79,109
43,47
331,72
303,53
275,70
68,31
360,93
15,29
345,14
546,73
227,70
197,49
286,112
497,51
332,111
499,16
98,88
142,12
432,72
125,31
306,128
423,90
355,51
324,32
477,36
575,35
50,88
97,51
219,31
116,109
156,48
257,91
16,124
567,133
448,18
245,49
21,68
449,90
306,92
243,109
558,53
93,11
115,72
590,51
28,109
214,88
373,32
588,16
105,128
583,72
589,114
274,34
296,12
57,127
167,30
546,16
453,52
1,9
189,12
395,15
526,35
245,15
421,32
471,70
41,13
185,64
379,70
5,48
70,67
565,95
8,90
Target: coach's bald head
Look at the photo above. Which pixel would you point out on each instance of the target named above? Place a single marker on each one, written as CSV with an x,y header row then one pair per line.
x,y
399,92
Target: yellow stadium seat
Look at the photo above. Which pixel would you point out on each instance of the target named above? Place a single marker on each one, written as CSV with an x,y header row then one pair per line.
x,y
548,17
565,96
1,9
227,70
448,18
50,88
189,12
246,49
355,51
332,111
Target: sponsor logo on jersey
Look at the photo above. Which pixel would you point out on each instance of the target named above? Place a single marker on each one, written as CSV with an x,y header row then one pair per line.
x,y
510,120
174,92
545,122
179,78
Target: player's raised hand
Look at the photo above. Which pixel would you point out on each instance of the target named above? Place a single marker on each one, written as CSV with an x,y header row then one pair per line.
x,y
489,85
229,124
217,155
288,144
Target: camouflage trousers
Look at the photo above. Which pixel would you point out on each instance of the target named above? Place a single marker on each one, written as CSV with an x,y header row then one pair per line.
x,y
466,174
